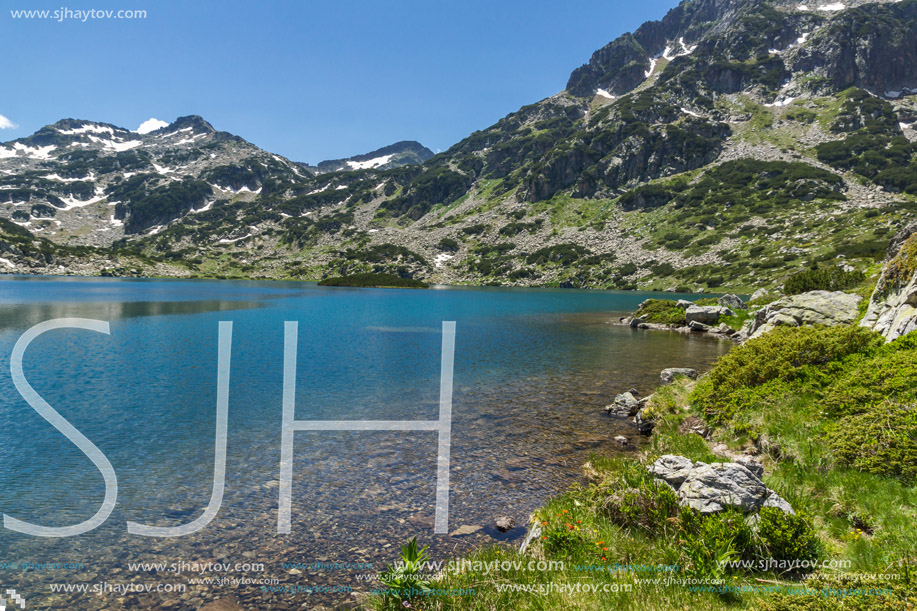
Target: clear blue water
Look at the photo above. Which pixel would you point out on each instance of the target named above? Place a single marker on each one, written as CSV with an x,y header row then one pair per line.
x,y
532,370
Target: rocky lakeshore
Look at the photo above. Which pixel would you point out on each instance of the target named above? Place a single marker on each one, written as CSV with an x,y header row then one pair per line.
x,y
764,479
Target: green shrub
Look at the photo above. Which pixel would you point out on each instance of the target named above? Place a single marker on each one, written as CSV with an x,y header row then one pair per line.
x,y
370,280
712,540
561,254
783,354
882,440
448,245
634,499
661,311
891,372
649,196
822,279
784,536
515,228
562,541
475,229
12,229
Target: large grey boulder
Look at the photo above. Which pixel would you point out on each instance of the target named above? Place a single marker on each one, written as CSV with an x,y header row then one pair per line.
x,y
671,469
775,500
709,488
712,488
626,404
759,294
830,308
708,315
684,304
752,465
670,373
895,314
732,301
892,308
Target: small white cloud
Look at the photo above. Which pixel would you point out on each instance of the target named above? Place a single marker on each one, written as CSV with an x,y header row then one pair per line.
x,y
6,123
151,125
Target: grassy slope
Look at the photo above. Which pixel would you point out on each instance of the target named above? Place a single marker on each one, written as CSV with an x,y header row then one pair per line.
x,y
814,404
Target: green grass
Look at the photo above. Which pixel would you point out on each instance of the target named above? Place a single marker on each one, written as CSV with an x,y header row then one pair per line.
x,y
784,394
661,311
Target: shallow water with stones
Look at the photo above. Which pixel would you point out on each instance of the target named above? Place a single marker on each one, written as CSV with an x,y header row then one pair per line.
x,y
533,367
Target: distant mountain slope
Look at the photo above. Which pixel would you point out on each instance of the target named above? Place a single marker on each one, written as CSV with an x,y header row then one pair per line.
x,y
727,145
406,152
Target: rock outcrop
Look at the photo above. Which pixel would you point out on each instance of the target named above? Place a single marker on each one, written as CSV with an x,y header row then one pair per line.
x,y
893,306
710,488
707,315
830,308
672,469
504,523
670,373
626,404
732,301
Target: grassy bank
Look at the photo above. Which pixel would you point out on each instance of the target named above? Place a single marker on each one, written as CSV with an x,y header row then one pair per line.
x,y
830,414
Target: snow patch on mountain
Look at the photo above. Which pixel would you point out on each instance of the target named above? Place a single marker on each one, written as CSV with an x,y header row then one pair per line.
x,y
685,49
441,258
369,163
118,145
41,152
234,240
649,72
58,178
670,50
189,140
88,128
71,202
781,102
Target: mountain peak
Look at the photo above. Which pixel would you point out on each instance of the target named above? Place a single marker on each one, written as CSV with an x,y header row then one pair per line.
x,y
405,152
195,122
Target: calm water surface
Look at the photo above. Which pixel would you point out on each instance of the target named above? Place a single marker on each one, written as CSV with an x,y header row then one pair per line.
x,y
532,370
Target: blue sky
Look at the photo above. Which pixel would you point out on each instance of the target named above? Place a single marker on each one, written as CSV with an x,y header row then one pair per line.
x,y
307,79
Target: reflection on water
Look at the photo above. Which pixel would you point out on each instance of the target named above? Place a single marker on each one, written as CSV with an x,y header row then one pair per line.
x,y
532,371
16,317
